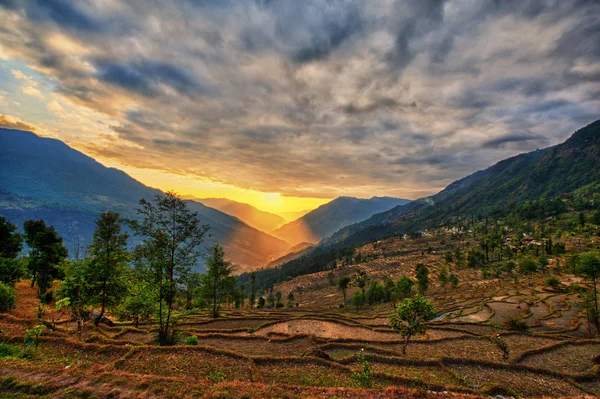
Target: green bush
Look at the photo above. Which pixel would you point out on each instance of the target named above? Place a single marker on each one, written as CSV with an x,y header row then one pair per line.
x,y
8,299
553,282
7,350
191,340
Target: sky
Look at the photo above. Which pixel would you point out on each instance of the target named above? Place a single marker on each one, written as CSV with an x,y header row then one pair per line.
x,y
287,104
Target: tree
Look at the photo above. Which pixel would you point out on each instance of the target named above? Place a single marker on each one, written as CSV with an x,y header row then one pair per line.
x,y
271,300
261,302
422,277
404,288
596,218
252,298
191,283
443,277
290,299
107,265
11,242
582,220
589,266
361,281
358,299
331,278
138,305
218,282
453,279
8,299
46,252
528,266
375,294
410,318
343,284
73,290
278,296
172,235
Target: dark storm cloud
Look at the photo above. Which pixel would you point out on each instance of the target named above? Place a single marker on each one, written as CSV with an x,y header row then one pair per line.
x,y
64,13
289,96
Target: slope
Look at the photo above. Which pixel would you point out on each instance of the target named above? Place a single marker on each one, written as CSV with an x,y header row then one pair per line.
x,y
328,218
250,215
45,178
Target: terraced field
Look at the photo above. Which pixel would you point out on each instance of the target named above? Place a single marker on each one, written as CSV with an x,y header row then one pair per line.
x,y
311,350
256,353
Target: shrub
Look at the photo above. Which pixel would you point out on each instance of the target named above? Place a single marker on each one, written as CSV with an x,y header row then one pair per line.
x,y
363,378
553,282
8,299
7,350
516,325
191,340
47,297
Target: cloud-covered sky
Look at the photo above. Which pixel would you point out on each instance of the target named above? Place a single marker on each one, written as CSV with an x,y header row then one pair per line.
x,y
308,98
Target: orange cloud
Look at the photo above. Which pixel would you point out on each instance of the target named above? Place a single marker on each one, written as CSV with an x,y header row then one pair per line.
x,y
11,122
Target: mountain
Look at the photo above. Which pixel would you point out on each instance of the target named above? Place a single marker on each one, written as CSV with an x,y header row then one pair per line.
x,y
256,218
495,191
562,170
294,252
330,217
291,216
45,178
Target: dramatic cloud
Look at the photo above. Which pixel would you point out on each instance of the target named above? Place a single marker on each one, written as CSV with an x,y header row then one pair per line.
x,y
310,98
10,122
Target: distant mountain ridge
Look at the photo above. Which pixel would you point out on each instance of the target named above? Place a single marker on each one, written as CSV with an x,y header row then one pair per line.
x,y
493,192
45,178
530,176
329,218
250,215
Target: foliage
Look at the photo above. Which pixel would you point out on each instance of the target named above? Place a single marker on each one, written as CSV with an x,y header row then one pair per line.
x,y
516,324
343,284
443,277
528,266
363,378
12,270
191,340
410,318
171,235
290,299
375,294
404,288
32,337
105,277
217,282
8,299
46,253
453,279
589,266
422,277
261,302
361,280
252,298
11,242
553,282
358,299
73,291
10,351
543,208
318,259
